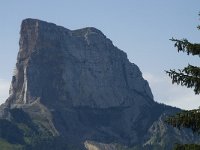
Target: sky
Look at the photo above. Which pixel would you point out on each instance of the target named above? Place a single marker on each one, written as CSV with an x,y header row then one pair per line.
x,y
142,29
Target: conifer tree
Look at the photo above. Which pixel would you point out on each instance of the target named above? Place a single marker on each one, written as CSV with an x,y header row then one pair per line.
x,y
189,77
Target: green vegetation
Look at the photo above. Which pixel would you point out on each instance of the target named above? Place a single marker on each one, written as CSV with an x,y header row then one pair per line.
x,y
10,132
4,145
187,147
189,77
21,133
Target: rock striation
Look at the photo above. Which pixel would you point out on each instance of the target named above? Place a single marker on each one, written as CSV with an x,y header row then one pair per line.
x,y
83,88
79,68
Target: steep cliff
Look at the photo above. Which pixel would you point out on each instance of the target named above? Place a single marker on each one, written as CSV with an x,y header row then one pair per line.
x,y
77,85
78,68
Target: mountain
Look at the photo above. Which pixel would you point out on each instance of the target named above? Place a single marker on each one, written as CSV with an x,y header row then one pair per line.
x,y
73,89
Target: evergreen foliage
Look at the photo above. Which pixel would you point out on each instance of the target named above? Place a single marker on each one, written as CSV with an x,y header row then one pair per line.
x,y
187,147
189,77
10,132
187,119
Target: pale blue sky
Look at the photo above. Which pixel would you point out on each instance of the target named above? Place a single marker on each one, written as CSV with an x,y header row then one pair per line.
x,y
140,28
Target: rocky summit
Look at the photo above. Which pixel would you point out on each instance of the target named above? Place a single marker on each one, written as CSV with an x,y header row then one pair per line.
x,y
75,89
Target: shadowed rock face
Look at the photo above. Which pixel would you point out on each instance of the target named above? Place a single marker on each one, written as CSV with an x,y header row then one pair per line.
x,y
74,68
86,82
82,86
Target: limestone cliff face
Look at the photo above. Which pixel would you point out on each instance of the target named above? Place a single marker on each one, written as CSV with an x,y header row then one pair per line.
x,y
80,87
78,68
87,85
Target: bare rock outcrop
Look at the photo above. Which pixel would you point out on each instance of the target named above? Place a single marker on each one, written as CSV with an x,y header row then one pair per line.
x,y
81,87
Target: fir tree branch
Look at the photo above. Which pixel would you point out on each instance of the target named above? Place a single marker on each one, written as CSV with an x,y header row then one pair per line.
x,y
188,77
185,46
192,70
186,119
